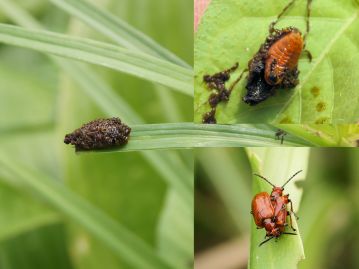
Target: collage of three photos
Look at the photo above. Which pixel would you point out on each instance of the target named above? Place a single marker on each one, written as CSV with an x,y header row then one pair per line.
x,y
179,134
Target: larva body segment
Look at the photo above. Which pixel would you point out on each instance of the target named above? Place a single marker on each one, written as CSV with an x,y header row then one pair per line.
x,y
283,56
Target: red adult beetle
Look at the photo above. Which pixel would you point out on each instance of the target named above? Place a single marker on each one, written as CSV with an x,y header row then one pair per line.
x,y
270,211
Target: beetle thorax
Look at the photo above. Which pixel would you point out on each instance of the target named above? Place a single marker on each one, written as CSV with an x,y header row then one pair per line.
x,y
276,192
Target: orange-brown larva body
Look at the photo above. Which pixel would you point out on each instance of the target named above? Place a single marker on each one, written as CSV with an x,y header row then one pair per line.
x,y
282,56
275,65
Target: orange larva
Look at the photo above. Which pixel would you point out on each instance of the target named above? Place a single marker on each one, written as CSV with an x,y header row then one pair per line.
x,y
283,56
274,66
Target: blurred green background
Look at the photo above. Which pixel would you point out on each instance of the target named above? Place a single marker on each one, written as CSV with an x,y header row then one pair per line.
x,y
329,210
39,104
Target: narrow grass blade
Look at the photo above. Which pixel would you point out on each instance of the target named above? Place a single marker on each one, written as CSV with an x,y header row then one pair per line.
x,y
190,135
29,225
127,36
122,241
116,29
277,164
134,63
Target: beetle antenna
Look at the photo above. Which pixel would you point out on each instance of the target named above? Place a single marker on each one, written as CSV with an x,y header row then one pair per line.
x,y
262,177
291,178
265,241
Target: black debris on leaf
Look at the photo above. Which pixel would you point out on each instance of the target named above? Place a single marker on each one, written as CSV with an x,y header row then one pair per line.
x,y
216,82
209,117
99,134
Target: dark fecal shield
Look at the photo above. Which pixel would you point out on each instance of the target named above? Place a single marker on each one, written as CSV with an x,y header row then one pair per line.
x,y
99,134
257,88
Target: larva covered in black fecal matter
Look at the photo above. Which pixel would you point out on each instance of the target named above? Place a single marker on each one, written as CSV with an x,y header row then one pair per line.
x,y
99,134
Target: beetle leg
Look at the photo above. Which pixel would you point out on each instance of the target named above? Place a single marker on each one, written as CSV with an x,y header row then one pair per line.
x,y
271,26
291,222
290,233
265,241
291,209
309,55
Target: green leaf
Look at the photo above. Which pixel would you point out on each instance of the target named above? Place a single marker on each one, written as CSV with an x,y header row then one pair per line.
x,y
26,91
134,63
190,135
326,135
277,165
123,242
111,103
27,250
176,247
116,29
19,214
232,31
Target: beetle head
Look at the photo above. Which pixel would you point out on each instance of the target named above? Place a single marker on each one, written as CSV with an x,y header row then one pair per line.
x,y
269,225
277,192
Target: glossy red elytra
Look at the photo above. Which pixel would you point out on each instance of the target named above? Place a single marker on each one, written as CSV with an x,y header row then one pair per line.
x,y
270,210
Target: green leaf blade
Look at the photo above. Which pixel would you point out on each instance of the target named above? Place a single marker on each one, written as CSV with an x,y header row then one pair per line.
x,y
189,135
124,243
277,165
116,29
133,63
